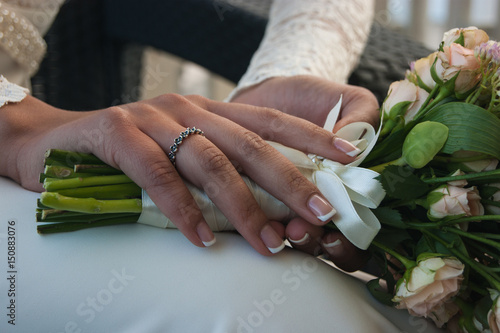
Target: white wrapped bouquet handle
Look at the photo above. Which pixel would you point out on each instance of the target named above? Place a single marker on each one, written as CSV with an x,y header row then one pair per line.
x,y
352,190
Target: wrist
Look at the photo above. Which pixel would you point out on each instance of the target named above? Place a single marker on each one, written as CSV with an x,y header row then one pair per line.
x,y
23,127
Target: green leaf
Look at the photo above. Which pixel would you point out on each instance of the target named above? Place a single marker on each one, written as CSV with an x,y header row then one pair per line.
x,y
425,245
390,217
399,182
392,238
451,238
434,196
481,310
470,127
487,192
388,149
461,39
399,109
379,293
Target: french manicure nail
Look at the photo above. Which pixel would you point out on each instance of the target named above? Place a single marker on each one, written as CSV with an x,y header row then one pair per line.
x,y
321,208
271,239
346,147
334,248
301,241
206,235
333,244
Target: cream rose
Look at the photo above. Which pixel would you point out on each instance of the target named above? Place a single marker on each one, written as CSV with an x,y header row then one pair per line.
x,y
449,200
404,91
421,68
487,164
472,37
428,286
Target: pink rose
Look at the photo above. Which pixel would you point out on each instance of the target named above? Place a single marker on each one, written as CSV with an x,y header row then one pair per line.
x,y
442,314
449,200
472,37
428,287
454,59
404,91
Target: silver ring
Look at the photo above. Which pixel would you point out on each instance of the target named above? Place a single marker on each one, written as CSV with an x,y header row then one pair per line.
x,y
177,142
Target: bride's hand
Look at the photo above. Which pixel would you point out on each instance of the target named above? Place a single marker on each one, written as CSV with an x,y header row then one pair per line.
x,y
312,98
136,138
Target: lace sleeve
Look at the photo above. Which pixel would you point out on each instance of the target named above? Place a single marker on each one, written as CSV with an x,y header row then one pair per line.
x,y
317,37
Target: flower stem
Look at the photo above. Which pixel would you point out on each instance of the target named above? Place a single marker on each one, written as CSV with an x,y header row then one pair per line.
x,y
96,169
442,93
118,191
469,176
70,158
73,226
472,263
379,168
472,219
52,184
405,261
472,236
90,205
451,159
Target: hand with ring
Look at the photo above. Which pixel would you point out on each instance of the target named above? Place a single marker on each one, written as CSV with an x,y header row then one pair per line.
x,y
137,139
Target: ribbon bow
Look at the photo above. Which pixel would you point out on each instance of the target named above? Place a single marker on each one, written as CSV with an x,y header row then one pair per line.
x,y
351,189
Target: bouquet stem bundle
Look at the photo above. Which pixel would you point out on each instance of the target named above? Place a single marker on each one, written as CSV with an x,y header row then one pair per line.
x,y
82,192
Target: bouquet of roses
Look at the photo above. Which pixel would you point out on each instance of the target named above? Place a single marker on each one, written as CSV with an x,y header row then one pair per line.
x,y
437,154
436,157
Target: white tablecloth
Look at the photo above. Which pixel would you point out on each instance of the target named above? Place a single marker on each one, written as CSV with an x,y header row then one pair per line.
x,y
136,278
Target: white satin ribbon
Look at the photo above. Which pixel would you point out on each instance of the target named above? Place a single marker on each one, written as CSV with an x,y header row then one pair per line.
x,y
352,190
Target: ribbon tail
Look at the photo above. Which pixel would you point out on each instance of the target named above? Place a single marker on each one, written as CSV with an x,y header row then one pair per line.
x,y
358,224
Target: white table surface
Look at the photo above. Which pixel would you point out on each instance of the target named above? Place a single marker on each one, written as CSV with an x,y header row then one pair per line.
x,y
136,278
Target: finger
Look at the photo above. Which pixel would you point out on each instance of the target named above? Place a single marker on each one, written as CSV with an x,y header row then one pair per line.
x,y
203,164
145,162
291,131
279,228
305,236
358,104
343,253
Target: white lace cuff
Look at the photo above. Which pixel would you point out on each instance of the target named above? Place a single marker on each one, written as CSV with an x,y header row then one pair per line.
x,y
323,38
10,92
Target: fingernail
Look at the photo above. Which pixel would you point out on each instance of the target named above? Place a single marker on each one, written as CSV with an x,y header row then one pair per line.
x,y
334,248
346,147
272,240
301,241
333,244
321,208
206,235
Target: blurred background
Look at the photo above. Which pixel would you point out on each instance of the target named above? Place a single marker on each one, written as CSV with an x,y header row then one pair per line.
x,y
138,51
424,21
